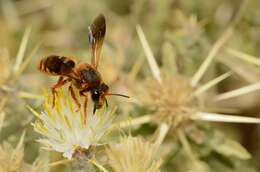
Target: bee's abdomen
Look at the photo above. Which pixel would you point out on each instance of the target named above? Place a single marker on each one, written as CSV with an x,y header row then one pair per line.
x,y
56,65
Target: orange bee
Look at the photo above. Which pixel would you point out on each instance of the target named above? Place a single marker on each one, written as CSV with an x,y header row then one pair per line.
x,y
85,77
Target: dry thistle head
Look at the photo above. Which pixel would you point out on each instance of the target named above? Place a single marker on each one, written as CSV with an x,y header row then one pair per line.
x,y
10,159
64,128
170,100
134,155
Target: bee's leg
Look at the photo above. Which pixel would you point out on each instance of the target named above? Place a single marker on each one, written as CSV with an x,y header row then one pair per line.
x,y
54,92
59,84
73,95
85,109
94,110
106,103
81,93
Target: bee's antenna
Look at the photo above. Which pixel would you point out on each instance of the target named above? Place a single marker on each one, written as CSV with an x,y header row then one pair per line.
x,y
114,94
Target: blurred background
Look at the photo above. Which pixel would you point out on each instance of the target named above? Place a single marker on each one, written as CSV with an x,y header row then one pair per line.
x,y
182,31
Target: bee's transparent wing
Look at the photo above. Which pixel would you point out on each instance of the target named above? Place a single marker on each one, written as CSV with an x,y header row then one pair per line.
x,y
97,31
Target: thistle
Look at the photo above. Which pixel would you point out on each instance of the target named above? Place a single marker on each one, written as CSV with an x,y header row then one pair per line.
x,y
171,101
173,97
169,96
64,128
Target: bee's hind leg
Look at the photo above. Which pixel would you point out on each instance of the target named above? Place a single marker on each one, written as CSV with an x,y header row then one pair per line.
x,y
59,84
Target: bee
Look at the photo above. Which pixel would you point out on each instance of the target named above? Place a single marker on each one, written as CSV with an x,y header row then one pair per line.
x,y
85,77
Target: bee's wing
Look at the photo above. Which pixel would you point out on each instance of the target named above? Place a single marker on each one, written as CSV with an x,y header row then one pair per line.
x,y
96,36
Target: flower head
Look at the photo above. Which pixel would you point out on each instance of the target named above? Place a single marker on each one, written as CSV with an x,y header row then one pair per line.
x,y
64,128
134,155
171,101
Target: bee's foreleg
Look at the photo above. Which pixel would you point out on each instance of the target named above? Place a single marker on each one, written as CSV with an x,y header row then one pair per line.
x,y
73,95
85,109
82,92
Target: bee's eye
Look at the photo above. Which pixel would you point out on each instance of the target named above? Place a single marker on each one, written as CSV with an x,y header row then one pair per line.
x,y
95,95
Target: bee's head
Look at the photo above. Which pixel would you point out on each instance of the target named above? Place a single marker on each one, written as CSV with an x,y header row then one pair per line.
x,y
98,96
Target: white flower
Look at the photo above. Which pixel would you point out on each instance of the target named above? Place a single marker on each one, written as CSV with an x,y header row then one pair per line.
x,y
64,128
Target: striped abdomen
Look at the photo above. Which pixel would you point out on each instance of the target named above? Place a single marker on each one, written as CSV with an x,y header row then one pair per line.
x,y
56,65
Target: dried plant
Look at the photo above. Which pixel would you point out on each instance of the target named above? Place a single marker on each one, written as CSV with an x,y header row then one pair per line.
x,y
133,155
171,101
12,159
